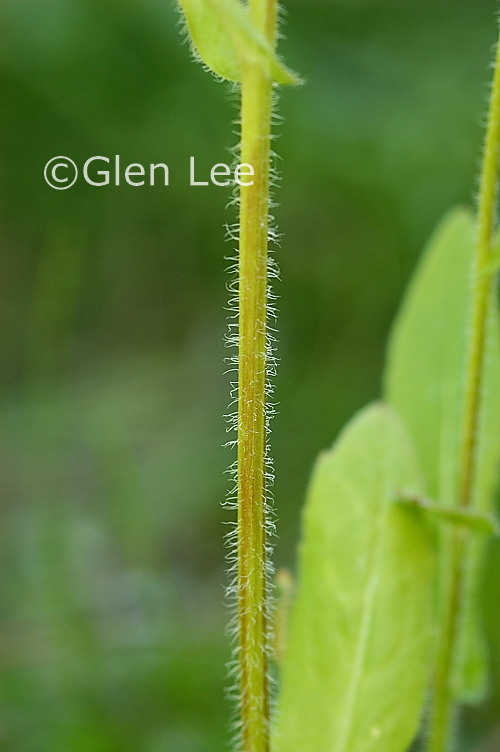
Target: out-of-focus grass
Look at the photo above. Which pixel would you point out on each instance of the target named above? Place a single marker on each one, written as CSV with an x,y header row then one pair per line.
x,y
111,322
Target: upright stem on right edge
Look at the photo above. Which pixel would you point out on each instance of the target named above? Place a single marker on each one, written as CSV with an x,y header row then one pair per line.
x,y
441,724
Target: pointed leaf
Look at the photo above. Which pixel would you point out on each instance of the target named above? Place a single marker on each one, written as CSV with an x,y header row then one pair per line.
x,y
226,40
358,650
424,382
476,522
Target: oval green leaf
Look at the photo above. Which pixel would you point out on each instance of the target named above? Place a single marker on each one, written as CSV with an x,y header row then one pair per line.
x,y
359,643
226,41
424,382
478,523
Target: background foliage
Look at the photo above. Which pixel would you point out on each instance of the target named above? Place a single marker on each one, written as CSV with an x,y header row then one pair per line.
x,y
112,315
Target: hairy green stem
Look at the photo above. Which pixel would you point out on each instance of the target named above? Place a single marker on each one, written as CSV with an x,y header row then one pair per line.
x,y
256,107
483,276
442,719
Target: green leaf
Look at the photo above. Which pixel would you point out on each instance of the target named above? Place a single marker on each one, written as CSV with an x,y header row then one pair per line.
x,y
489,598
476,522
226,40
357,656
424,382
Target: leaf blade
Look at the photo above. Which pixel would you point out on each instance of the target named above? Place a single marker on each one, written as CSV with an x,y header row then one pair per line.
x,y
226,41
424,383
345,670
468,519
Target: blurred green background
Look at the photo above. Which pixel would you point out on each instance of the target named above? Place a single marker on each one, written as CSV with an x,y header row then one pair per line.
x,y
112,316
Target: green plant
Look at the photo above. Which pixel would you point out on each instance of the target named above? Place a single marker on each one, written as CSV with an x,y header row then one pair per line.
x,y
238,43
405,496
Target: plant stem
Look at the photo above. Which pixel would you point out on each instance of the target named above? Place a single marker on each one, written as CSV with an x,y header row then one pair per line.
x,y
442,720
482,288
256,107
